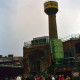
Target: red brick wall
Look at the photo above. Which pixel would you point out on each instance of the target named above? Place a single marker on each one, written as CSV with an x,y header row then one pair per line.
x,y
71,45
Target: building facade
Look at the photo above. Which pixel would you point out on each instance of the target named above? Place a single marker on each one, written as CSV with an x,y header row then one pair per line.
x,y
11,66
39,57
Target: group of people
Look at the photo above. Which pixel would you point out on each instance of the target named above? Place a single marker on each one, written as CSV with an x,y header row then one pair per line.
x,y
36,77
61,77
39,77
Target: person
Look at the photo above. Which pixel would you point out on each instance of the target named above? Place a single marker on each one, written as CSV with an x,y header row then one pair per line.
x,y
15,78
53,78
41,78
68,78
48,77
32,77
57,77
62,77
28,78
37,77
18,78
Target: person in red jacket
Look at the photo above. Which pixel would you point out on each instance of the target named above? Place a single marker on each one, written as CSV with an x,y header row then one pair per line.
x,y
62,77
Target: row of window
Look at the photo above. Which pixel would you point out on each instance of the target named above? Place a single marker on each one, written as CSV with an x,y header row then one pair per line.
x,y
40,41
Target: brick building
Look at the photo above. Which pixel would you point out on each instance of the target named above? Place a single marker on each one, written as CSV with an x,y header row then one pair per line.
x,y
38,56
72,48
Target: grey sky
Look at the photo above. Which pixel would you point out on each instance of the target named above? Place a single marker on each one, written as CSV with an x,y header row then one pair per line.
x,y
23,20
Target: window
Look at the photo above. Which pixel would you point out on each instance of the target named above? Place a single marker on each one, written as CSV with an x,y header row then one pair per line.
x,y
44,40
40,41
77,48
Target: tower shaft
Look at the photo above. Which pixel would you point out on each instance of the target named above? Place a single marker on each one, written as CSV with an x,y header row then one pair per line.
x,y
51,8
52,26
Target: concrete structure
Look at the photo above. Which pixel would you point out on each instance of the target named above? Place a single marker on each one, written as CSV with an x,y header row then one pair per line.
x,y
51,8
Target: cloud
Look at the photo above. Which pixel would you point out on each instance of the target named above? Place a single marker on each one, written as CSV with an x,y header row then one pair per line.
x,y
22,20
67,18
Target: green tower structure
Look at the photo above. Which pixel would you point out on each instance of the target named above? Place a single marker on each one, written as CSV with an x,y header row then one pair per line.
x,y
57,51
51,8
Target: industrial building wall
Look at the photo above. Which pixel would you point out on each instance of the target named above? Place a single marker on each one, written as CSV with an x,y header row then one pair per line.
x,y
36,58
72,49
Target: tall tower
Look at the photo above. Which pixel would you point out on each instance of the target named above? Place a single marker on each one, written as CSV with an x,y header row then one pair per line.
x,y
51,8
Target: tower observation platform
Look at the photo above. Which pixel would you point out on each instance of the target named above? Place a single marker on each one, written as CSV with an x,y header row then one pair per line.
x,y
50,7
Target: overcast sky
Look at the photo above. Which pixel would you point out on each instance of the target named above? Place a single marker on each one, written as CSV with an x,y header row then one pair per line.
x,y
23,20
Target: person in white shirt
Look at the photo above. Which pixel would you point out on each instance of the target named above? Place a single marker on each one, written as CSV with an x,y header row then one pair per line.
x,y
53,78
18,78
